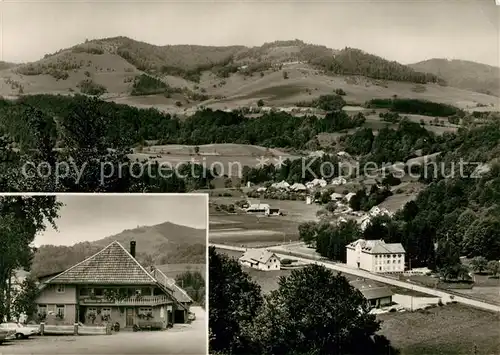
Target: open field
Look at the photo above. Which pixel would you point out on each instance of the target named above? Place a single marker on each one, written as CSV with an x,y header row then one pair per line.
x,y
452,329
484,288
251,230
182,339
227,159
297,211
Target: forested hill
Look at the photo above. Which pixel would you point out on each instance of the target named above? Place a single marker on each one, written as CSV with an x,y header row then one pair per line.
x,y
463,74
165,243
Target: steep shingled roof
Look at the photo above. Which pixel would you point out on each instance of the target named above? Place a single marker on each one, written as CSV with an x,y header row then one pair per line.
x,y
112,265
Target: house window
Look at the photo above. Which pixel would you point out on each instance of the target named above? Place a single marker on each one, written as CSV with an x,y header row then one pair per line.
x,y
106,311
91,310
42,309
60,289
145,310
399,261
399,255
60,311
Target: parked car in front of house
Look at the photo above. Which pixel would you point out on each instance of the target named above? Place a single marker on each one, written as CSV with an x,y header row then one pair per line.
x,y
20,331
191,316
6,334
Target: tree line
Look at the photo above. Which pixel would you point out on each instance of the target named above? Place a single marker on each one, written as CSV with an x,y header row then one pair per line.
x,y
126,126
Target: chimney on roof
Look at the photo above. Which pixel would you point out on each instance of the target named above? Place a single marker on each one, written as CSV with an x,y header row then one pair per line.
x,y
132,248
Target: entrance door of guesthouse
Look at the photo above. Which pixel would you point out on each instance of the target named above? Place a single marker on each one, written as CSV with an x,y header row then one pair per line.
x,y
130,317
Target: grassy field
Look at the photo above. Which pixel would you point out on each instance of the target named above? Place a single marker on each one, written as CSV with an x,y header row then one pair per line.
x,y
484,288
227,159
296,211
251,230
452,329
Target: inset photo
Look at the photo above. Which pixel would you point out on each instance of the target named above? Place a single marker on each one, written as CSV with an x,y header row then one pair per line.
x,y
103,273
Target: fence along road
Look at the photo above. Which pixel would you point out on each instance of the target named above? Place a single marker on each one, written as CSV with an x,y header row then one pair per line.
x,y
445,296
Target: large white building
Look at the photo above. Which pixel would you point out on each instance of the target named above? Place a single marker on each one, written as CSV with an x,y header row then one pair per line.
x,y
261,260
376,256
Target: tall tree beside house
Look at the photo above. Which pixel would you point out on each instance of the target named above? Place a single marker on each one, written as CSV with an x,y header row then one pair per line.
x,y
331,240
194,284
24,302
234,301
21,218
333,318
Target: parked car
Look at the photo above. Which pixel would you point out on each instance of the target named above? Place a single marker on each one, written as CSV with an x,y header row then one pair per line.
x,y
191,316
20,331
6,334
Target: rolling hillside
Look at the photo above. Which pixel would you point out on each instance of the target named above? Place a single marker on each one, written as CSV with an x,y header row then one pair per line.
x,y
6,65
165,243
463,74
179,77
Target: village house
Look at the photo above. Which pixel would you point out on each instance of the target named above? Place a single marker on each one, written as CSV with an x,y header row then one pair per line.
x,y
315,183
376,256
261,260
336,197
298,187
258,208
376,295
112,286
339,181
282,185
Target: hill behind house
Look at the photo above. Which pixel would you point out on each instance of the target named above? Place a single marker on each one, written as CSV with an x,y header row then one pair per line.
x,y
165,243
463,74
177,78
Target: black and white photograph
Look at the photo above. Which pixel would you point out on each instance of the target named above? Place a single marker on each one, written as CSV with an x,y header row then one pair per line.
x,y
348,153
103,274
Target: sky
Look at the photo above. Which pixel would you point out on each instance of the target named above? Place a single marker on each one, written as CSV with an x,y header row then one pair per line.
x,y
402,30
93,217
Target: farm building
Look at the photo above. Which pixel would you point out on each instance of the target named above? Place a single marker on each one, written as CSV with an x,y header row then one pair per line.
x,y
258,208
375,211
376,295
282,185
111,286
315,183
339,181
298,187
336,197
260,259
376,256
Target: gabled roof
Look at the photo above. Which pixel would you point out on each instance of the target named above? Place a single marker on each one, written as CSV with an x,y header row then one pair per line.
x,y
257,255
377,246
111,265
371,290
